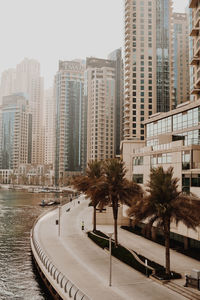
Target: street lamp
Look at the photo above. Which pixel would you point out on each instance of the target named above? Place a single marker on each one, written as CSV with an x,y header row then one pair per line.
x,y
59,214
110,261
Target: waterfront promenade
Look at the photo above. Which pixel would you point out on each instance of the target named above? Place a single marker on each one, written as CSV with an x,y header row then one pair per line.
x,y
87,265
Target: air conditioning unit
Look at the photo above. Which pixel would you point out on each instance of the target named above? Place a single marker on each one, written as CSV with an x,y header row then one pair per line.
x,y
195,273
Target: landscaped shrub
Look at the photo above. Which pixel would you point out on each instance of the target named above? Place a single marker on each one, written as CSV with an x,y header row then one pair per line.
x,y
125,256
119,252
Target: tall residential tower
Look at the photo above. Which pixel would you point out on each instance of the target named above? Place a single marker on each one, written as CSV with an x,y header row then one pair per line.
x,y
29,81
70,119
148,63
181,58
119,94
15,131
195,62
100,85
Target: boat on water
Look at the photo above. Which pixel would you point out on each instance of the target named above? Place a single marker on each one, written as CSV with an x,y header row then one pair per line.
x,y
49,203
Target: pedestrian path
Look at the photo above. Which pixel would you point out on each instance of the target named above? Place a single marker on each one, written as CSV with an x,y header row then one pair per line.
x,y
87,265
153,251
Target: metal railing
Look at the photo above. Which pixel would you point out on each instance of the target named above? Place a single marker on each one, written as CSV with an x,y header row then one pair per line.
x,y
69,288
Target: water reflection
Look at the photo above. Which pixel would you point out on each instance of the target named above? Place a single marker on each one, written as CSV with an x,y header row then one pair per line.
x,y
18,211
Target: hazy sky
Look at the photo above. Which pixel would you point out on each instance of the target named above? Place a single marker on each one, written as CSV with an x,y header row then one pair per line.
x,y
49,30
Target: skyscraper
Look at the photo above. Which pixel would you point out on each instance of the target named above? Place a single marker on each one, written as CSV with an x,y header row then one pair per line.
x,y
195,62
181,58
148,67
8,83
70,116
49,130
15,131
119,92
101,97
29,81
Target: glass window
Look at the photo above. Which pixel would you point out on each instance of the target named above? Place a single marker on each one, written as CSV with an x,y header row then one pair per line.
x,y
138,178
138,161
189,118
153,160
195,116
169,158
195,180
159,159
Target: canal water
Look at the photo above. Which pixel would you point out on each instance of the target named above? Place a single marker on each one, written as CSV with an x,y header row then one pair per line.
x,y
18,211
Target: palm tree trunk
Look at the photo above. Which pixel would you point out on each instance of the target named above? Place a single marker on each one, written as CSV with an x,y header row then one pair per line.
x,y
167,246
94,219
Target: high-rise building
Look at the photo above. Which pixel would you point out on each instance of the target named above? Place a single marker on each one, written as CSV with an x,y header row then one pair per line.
x,y
195,62
15,131
119,92
29,81
181,58
100,87
70,119
8,83
148,63
49,132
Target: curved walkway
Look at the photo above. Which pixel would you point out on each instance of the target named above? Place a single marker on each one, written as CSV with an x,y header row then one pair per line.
x,y
86,265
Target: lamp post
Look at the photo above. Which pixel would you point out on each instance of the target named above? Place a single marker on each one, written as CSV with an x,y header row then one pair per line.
x,y
110,260
59,214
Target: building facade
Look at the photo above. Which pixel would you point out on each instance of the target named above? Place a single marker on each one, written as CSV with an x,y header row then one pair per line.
x,y
195,62
148,63
172,139
29,81
70,119
15,131
181,58
49,134
8,83
119,95
100,88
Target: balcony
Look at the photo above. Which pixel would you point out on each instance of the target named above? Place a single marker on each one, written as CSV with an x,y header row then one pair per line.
x,y
193,3
127,30
197,18
195,60
197,81
197,48
195,91
127,54
127,103
194,31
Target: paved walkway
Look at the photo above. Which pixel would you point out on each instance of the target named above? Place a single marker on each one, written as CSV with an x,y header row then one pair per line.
x,y
87,265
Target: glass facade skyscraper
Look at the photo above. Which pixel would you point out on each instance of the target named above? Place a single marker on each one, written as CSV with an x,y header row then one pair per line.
x,y
15,131
70,115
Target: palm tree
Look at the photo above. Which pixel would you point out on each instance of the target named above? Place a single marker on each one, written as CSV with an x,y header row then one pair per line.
x,y
88,184
114,189
164,204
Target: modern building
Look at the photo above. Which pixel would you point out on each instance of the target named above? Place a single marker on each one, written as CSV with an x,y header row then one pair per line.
x,y
148,66
8,83
15,131
30,82
49,134
119,94
195,34
181,58
172,139
70,119
101,97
